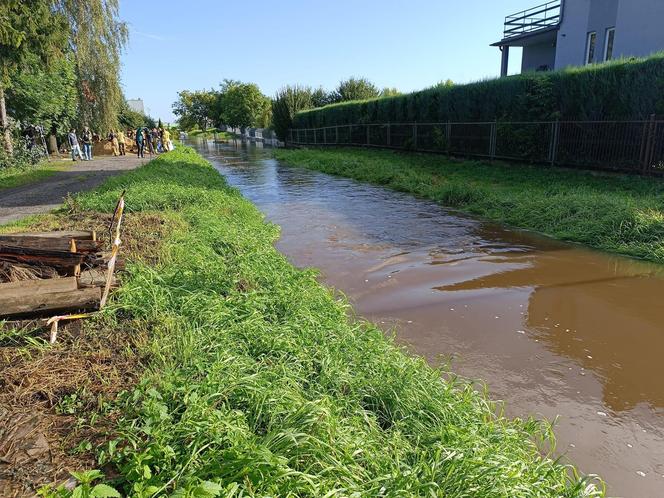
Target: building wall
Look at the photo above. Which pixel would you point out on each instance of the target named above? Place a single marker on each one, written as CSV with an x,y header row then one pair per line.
x,y
603,15
639,28
571,45
136,105
536,56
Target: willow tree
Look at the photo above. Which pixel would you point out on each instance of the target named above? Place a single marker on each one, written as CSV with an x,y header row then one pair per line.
x,y
30,30
97,37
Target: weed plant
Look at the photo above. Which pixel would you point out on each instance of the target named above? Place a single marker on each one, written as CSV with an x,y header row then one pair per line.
x,y
262,383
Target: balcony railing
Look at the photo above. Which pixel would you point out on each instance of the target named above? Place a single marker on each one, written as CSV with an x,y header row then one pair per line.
x,y
534,19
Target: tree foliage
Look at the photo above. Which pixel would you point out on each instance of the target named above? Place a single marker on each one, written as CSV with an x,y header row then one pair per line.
x,y
97,37
44,95
242,105
28,29
355,89
196,109
390,92
287,102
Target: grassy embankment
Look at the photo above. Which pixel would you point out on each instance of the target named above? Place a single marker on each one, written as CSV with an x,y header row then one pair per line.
x,y
258,383
211,133
15,177
616,213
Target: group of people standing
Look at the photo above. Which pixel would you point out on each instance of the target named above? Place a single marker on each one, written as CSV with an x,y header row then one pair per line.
x,y
157,140
85,139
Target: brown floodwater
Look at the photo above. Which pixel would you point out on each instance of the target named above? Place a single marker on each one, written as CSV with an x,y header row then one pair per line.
x,y
555,330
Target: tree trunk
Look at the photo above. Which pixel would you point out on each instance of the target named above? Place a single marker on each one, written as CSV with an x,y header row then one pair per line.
x,y
52,143
4,122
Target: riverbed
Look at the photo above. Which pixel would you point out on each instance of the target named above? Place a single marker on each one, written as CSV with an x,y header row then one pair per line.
x,y
555,330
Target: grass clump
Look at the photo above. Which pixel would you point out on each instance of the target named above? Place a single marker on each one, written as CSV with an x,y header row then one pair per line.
x,y
260,384
616,213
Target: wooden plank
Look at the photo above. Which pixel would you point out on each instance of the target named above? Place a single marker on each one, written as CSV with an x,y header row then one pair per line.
x,y
27,287
50,243
61,234
51,302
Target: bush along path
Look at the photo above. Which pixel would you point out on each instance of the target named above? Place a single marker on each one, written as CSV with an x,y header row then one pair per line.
x,y
616,213
260,382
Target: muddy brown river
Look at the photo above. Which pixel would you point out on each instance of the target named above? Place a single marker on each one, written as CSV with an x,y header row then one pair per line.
x,y
555,330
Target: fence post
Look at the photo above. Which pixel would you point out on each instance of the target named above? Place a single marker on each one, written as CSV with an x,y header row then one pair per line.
x,y
492,140
389,135
315,135
553,142
650,144
368,137
336,136
448,131
415,136
290,134
325,136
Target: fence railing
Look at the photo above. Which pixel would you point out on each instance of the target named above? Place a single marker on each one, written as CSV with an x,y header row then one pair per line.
x,y
631,146
533,19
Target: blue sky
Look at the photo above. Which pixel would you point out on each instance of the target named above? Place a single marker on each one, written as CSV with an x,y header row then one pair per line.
x,y
404,44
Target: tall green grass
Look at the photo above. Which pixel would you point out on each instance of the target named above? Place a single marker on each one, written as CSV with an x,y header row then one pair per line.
x,y
616,213
261,384
624,89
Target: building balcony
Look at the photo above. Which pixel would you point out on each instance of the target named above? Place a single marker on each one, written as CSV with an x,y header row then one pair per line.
x,y
542,17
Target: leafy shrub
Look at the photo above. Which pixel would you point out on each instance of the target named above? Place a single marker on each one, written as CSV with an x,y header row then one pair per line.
x,y
22,157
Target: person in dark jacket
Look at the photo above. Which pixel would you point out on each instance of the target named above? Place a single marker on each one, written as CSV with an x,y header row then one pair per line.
x,y
140,142
147,137
86,138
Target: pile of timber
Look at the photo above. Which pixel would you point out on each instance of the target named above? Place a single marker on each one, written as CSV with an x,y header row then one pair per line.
x,y
51,272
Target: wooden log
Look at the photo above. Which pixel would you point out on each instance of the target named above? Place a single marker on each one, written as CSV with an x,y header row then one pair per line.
x,y
50,302
50,243
102,259
37,286
59,234
95,277
60,259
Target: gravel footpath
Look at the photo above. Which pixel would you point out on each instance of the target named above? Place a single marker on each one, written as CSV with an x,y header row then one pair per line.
x,y
48,194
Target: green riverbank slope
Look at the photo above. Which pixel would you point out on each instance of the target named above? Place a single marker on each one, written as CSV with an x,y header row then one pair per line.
x,y
616,213
259,382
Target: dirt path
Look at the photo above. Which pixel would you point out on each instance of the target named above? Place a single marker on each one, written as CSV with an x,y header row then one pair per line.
x,y
47,194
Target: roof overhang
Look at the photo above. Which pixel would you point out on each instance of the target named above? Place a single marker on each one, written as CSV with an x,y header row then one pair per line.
x,y
545,35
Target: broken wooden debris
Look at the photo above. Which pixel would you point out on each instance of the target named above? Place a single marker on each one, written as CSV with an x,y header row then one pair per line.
x,y
66,271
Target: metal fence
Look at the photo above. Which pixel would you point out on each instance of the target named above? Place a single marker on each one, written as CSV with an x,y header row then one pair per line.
x,y
631,146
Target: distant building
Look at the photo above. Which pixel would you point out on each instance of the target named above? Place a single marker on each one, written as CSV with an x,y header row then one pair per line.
x,y
136,105
565,33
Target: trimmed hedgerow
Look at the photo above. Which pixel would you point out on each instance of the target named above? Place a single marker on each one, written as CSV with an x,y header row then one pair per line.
x,y
624,89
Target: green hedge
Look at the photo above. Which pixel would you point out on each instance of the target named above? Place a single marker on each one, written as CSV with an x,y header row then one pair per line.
x,y
624,89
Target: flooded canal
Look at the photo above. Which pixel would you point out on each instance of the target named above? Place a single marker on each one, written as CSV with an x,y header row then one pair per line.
x,y
555,330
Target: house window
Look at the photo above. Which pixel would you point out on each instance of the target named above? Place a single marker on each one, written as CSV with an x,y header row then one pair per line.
x,y
590,47
608,43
